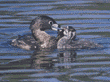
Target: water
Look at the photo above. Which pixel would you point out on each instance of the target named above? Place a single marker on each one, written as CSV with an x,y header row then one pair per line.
x,y
91,19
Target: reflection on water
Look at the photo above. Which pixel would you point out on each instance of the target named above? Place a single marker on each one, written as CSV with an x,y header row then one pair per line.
x,y
40,60
60,64
90,19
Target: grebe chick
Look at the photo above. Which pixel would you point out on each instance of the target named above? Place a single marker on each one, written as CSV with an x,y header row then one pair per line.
x,y
39,38
68,40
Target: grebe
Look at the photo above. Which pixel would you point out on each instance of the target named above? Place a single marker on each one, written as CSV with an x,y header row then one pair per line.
x,y
68,39
39,38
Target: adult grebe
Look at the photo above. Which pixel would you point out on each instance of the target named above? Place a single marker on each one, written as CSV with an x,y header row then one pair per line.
x,y
39,38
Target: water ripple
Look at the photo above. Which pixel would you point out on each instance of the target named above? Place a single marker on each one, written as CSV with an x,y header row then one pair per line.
x,y
85,63
72,13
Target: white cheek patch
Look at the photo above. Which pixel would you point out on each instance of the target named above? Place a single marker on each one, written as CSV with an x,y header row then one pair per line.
x,y
74,34
71,35
65,32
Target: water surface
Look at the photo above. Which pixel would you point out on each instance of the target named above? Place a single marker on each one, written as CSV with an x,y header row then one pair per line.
x,y
91,19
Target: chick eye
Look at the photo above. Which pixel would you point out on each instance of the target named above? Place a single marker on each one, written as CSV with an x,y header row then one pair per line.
x,y
50,22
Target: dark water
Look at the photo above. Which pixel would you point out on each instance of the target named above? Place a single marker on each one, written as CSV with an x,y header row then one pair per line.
x,y
91,19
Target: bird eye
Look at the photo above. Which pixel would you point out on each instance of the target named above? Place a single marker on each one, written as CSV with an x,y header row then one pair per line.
x,y
50,22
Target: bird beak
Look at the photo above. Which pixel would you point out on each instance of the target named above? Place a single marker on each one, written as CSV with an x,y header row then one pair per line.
x,y
56,27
